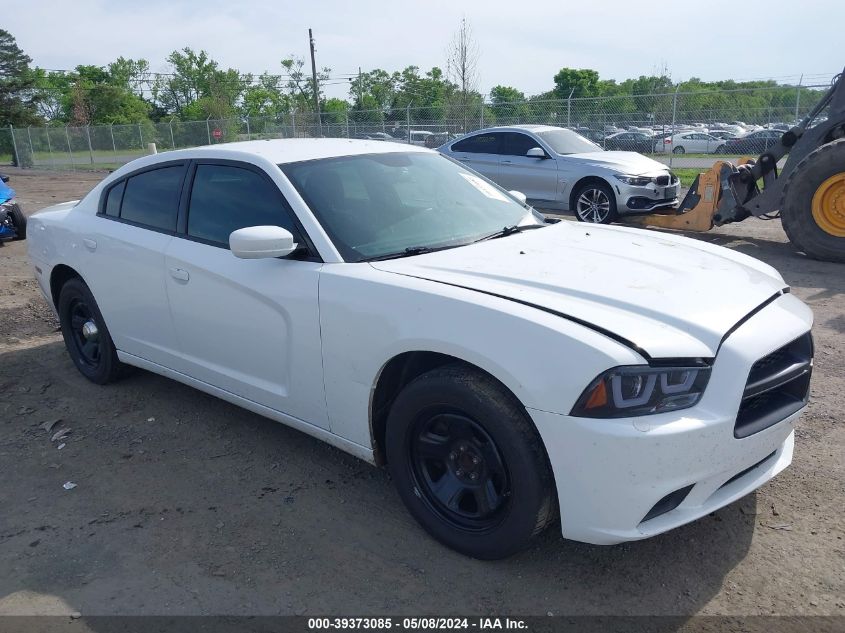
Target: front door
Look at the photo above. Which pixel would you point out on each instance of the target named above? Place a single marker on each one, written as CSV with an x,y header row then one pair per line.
x,y
250,327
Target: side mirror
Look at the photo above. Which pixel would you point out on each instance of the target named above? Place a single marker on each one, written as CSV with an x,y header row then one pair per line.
x,y
536,152
4,178
518,195
261,242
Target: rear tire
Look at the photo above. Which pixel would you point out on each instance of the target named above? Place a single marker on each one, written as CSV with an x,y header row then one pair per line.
x,y
468,463
19,220
813,209
86,336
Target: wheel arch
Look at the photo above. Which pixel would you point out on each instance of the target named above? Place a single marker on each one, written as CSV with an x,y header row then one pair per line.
x,y
399,371
59,276
586,180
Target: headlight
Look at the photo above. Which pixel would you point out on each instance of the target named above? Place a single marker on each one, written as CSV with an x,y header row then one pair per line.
x,y
638,181
624,392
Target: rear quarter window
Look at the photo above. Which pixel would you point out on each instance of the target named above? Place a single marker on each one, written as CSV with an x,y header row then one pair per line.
x,y
151,198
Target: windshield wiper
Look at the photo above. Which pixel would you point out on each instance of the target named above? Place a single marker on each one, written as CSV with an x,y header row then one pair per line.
x,y
410,252
510,230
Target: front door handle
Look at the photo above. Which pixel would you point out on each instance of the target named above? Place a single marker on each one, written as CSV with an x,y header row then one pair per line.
x,y
180,274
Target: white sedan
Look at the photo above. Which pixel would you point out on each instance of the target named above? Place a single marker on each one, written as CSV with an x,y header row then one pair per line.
x,y
690,143
387,300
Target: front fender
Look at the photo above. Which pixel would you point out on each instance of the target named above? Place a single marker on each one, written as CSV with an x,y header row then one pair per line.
x,y
368,317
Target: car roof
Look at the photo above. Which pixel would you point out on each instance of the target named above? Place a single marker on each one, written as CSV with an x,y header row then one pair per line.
x,y
528,127
291,150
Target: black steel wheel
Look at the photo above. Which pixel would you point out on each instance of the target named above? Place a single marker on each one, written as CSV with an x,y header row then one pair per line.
x,y
459,470
469,463
86,336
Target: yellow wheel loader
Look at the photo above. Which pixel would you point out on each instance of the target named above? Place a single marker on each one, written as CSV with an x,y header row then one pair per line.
x,y
808,193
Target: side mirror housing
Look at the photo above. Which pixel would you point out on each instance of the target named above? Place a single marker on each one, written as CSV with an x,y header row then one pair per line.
x,y
261,242
4,178
536,152
518,195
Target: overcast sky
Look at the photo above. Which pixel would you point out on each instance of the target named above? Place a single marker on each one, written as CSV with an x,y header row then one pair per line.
x,y
521,44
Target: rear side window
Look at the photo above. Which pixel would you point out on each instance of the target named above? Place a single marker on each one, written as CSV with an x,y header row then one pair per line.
x,y
113,198
478,144
152,198
225,198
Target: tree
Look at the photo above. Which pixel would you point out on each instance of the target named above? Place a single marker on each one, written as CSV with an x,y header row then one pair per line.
x,y
508,104
197,88
462,65
18,99
300,84
578,83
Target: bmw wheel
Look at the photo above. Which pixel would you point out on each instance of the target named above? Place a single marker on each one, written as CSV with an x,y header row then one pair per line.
x,y
595,203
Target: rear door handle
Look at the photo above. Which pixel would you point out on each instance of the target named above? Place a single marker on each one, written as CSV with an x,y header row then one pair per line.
x,y
90,244
506,162
179,274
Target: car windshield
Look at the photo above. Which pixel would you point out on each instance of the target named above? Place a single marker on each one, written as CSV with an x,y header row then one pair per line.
x,y
378,205
568,142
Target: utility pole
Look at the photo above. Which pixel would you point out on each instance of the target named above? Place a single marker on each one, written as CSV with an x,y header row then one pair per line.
x,y
314,78
360,89
798,97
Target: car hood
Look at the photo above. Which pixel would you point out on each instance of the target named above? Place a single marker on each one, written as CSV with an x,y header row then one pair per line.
x,y
666,295
630,163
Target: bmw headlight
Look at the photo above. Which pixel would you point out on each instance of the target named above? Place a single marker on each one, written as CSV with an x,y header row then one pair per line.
x,y
638,181
634,390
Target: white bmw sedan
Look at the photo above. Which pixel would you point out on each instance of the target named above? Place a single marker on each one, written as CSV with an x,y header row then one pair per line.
x,y
388,301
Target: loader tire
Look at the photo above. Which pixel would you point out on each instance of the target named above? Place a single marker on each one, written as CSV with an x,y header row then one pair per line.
x,y
813,209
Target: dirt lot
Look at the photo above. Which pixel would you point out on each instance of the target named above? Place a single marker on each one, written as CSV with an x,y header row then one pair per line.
x,y
187,505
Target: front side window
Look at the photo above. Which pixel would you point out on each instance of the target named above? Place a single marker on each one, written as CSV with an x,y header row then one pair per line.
x,y
377,205
151,198
226,198
518,144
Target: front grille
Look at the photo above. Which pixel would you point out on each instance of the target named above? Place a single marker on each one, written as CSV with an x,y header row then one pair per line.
x,y
778,386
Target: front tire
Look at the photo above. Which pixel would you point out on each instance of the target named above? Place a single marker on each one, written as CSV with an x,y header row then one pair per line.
x,y
813,209
595,202
468,463
86,336
679,150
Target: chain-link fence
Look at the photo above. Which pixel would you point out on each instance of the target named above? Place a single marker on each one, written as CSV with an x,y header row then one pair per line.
x,y
686,130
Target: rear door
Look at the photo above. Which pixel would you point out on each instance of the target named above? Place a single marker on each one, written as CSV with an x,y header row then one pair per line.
x,y
535,177
480,152
123,251
248,326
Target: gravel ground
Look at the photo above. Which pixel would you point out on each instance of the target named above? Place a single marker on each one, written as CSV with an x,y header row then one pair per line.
x,y
185,504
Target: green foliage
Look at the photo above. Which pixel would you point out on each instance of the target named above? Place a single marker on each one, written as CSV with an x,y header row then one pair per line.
x,y
18,102
578,83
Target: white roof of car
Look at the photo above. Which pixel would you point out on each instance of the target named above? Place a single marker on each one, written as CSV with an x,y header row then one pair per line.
x,y
291,150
